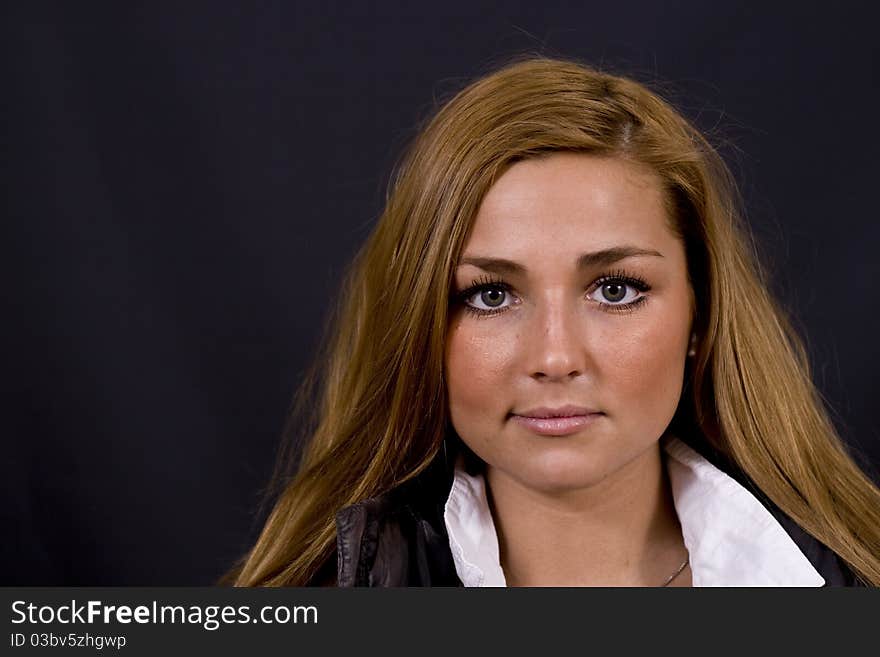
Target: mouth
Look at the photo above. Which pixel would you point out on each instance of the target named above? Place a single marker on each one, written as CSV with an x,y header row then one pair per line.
x,y
569,410
557,422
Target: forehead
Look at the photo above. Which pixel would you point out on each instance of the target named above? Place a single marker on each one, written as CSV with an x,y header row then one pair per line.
x,y
570,202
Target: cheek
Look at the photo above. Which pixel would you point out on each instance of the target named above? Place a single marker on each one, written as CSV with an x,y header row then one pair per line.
x,y
478,363
648,367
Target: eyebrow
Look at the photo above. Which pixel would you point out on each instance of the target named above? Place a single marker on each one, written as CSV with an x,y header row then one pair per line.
x,y
589,260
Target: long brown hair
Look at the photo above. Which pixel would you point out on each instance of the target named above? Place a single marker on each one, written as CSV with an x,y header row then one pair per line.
x,y
381,406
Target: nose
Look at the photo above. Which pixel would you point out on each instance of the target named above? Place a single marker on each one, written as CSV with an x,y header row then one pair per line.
x,y
558,342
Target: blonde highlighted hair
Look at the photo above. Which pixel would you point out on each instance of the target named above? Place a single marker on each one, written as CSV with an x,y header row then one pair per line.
x,y
377,388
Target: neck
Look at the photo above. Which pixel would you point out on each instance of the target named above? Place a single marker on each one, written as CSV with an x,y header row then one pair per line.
x,y
622,531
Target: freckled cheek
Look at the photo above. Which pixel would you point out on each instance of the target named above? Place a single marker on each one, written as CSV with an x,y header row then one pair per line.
x,y
478,370
646,369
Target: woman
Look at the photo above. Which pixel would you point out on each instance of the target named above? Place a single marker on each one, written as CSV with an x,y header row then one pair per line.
x,y
555,363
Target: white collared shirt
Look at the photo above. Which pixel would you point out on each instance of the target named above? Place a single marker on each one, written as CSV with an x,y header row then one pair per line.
x,y
732,539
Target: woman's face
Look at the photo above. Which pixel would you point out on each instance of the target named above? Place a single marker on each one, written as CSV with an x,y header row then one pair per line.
x,y
571,291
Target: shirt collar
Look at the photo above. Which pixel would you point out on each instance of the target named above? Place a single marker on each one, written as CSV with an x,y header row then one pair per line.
x,y
732,539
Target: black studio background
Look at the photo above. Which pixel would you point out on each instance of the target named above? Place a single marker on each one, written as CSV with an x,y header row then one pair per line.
x,y
185,182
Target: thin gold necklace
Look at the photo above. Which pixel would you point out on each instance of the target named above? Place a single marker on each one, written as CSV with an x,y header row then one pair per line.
x,y
678,572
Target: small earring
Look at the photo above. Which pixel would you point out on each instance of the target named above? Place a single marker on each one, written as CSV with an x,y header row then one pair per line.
x,y
693,348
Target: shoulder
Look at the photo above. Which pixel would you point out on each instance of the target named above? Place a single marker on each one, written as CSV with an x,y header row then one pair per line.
x,y
827,563
824,560
398,538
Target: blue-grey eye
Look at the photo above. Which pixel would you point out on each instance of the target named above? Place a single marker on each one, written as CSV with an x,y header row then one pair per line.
x,y
492,297
489,298
615,293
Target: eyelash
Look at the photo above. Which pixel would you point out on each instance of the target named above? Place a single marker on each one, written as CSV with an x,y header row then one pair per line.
x,y
617,276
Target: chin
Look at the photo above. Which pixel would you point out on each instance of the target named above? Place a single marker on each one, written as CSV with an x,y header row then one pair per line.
x,y
559,473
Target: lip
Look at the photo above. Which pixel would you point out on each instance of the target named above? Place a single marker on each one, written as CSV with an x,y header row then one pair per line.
x,y
561,421
568,410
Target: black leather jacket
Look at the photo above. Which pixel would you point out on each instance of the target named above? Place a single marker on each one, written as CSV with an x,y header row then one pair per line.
x,y
400,538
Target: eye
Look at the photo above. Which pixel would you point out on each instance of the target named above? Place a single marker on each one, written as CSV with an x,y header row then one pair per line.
x,y
488,298
618,292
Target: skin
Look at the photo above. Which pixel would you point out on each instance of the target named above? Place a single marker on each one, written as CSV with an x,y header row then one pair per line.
x,y
594,507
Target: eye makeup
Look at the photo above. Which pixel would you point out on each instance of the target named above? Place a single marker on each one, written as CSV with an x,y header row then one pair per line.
x,y
618,277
